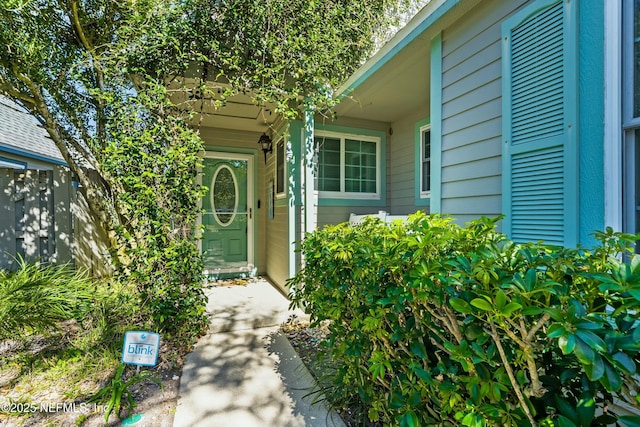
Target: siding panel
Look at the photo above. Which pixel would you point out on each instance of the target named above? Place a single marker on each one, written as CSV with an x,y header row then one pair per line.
x,y
468,153
471,112
483,111
402,163
471,171
484,186
466,135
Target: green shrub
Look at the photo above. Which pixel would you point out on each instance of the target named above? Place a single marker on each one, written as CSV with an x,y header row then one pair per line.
x,y
34,298
152,160
431,323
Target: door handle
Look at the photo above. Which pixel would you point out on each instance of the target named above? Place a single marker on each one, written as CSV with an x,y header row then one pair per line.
x,y
250,213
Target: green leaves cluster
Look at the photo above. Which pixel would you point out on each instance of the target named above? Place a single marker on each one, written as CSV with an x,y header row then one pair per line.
x,y
153,158
35,298
116,85
436,324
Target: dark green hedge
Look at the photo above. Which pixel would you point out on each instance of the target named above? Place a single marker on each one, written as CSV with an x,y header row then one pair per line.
x,y
431,323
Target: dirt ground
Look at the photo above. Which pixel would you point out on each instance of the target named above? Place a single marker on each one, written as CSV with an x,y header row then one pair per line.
x,y
157,407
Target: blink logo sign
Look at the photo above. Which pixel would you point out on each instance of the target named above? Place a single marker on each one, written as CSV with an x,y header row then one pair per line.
x,y
140,348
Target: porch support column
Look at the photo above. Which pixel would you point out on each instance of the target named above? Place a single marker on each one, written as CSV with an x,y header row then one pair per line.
x,y
309,194
294,205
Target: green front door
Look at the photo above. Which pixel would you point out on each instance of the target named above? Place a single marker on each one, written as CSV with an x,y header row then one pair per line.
x,y
227,216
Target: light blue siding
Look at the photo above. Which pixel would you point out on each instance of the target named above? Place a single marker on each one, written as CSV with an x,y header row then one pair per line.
x,y
480,149
470,172
471,113
455,121
480,185
404,159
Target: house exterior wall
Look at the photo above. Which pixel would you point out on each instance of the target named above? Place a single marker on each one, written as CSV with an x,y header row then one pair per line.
x,y
402,177
468,125
471,112
472,120
277,245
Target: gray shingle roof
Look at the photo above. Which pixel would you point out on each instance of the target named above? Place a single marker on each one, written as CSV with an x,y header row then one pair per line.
x,y
21,134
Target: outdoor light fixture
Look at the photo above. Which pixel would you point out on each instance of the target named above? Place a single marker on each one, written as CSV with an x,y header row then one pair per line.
x,y
265,145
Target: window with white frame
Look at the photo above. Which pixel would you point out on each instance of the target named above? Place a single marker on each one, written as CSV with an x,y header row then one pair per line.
x,y
425,161
348,166
631,115
280,168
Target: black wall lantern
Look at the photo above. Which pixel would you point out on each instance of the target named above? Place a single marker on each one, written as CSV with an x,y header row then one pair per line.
x,y
265,145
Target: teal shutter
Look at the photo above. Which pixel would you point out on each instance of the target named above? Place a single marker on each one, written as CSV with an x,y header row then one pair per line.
x,y
539,153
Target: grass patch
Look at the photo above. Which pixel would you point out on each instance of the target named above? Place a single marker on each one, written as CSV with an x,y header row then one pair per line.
x,y
62,334
35,298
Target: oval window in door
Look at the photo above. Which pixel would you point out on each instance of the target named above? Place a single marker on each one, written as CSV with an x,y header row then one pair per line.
x,y
224,195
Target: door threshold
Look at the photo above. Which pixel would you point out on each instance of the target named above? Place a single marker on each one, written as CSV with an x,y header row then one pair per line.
x,y
245,272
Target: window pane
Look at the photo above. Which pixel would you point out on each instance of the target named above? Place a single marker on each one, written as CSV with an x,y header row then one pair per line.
x,y
636,57
328,164
426,145
352,185
328,144
352,159
369,173
426,176
426,161
352,172
360,166
636,178
368,186
328,184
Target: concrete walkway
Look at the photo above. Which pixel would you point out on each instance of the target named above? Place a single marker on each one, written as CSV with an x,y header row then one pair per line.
x,y
245,373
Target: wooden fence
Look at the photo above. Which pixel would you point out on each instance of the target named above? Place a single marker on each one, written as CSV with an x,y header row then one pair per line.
x,y
43,217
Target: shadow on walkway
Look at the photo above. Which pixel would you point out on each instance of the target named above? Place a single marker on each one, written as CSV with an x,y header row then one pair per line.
x,y
244,373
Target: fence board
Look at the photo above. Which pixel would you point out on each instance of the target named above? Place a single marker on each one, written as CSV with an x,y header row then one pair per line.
x,y
63,230
37,210
7,218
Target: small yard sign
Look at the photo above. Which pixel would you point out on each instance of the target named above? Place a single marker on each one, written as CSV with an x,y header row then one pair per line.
x,y
140,348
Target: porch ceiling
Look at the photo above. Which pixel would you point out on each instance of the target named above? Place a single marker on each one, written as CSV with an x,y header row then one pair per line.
x,y
395,82
238,113
395,90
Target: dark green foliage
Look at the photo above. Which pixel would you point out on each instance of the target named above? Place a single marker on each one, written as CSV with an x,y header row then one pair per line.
x,y
435,324
116,85
34,298
155,165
